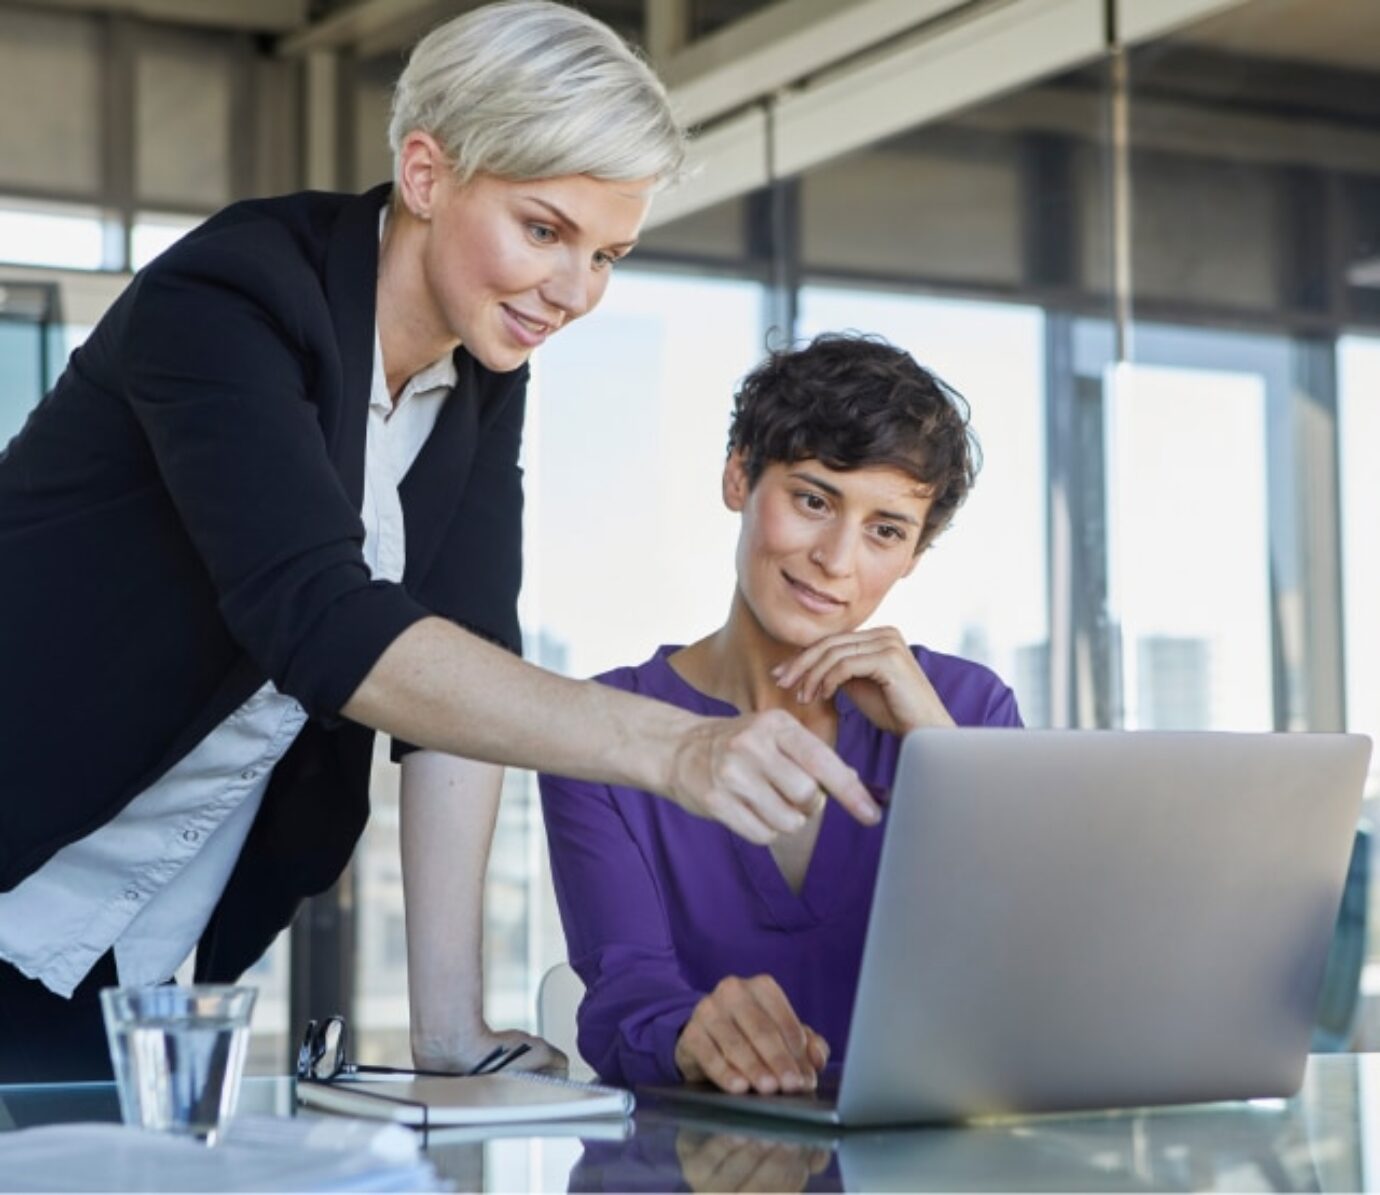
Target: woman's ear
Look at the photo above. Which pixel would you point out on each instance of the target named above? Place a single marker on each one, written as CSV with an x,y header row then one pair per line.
x,y
422,165
736,485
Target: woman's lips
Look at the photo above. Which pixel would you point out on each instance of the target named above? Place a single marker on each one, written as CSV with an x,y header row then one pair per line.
x,y
812,599
524,329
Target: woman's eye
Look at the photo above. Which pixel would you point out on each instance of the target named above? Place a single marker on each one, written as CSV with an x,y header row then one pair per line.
x,y
542,232
603,261
811,502
889,531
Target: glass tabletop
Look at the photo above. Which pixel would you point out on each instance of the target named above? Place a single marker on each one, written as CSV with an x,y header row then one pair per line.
x,y
1316,1141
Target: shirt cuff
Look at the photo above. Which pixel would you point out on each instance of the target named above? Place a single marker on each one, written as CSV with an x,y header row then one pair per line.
x,y
646,1052
666,1034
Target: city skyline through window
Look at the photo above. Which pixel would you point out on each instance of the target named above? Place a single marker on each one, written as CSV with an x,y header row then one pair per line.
x,y
1358,435
1189,547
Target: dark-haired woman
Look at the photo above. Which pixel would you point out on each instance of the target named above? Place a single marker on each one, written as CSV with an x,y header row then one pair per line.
x,y
706,958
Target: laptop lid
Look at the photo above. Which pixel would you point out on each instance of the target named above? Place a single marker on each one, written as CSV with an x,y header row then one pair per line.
x,y
1086,919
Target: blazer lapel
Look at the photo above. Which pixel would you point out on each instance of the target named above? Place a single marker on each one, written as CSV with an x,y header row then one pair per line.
x,y
352,268
434,485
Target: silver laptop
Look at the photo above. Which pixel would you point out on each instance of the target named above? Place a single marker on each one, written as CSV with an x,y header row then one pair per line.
x,y
1071,920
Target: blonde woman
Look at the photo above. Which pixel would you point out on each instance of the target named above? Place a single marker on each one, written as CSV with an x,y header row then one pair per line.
x,y
273,506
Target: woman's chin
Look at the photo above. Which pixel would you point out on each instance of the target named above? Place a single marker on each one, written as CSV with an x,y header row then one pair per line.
x,y
498,354
796,633
790,628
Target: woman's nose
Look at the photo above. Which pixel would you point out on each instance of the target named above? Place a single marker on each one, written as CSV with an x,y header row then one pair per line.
x,y
568,290
834,553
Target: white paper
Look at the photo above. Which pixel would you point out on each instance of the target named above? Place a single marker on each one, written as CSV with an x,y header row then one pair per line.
x,y
257,1153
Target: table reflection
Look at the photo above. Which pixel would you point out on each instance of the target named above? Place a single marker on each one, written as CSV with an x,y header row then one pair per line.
x,y
713,1161
669,1152
1315,1142
1234,1147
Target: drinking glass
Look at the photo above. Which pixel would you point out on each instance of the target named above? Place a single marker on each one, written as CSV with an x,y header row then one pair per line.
x,y
178,1054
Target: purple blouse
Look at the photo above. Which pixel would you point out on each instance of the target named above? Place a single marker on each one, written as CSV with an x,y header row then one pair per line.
x,y
659,906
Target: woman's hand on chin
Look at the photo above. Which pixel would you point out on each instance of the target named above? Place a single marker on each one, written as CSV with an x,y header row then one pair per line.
x,y
744,1036
877,670
461,1057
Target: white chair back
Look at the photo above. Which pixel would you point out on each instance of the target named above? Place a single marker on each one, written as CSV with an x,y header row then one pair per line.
x,y
558,998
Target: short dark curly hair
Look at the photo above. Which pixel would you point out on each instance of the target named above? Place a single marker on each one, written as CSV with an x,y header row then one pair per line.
x,y
851,401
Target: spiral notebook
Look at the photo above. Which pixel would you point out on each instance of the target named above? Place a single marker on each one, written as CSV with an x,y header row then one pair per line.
x,y
426,1101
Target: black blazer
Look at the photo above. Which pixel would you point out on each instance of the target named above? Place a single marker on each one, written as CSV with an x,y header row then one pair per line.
x,y
179,522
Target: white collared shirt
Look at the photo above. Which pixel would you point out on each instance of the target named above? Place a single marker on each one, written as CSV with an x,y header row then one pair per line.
x,y
147,881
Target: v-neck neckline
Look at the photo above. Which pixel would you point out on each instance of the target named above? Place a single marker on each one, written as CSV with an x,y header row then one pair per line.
x,y
830,876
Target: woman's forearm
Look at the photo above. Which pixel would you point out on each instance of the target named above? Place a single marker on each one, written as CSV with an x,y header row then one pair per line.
x,y
443,688
448,810
449,807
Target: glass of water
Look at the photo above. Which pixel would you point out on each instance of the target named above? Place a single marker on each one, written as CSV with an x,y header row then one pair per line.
x,y
178,1054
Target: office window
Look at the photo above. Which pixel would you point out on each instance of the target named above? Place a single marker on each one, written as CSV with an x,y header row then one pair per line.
x,y
21,372
980,590
629,542
35,341
1252,157
51,234
1358,434
1189,548
272,1039
154,232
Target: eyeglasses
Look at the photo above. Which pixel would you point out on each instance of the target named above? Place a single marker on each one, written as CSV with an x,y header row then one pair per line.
x,y
322,1056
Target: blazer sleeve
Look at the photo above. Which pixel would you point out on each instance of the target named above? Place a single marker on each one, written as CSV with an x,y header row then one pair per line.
x,y
618,936
219,351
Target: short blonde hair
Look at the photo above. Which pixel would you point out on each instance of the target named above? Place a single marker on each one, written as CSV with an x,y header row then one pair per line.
x,y
528,89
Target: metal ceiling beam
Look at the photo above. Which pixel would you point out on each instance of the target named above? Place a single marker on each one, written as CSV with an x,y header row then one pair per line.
x,y
372,26
1140,22
259,16
932,74
1193,129
709,77
667,24
928,75
783,45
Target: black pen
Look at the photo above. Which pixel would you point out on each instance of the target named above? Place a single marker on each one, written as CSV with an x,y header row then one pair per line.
x,y
492,1056
512,1056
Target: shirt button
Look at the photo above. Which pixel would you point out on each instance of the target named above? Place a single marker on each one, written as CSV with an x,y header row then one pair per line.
x,y
249,774
131,894
190,835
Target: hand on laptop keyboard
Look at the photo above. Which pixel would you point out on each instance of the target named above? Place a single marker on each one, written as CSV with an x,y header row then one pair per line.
x,y
744,1036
